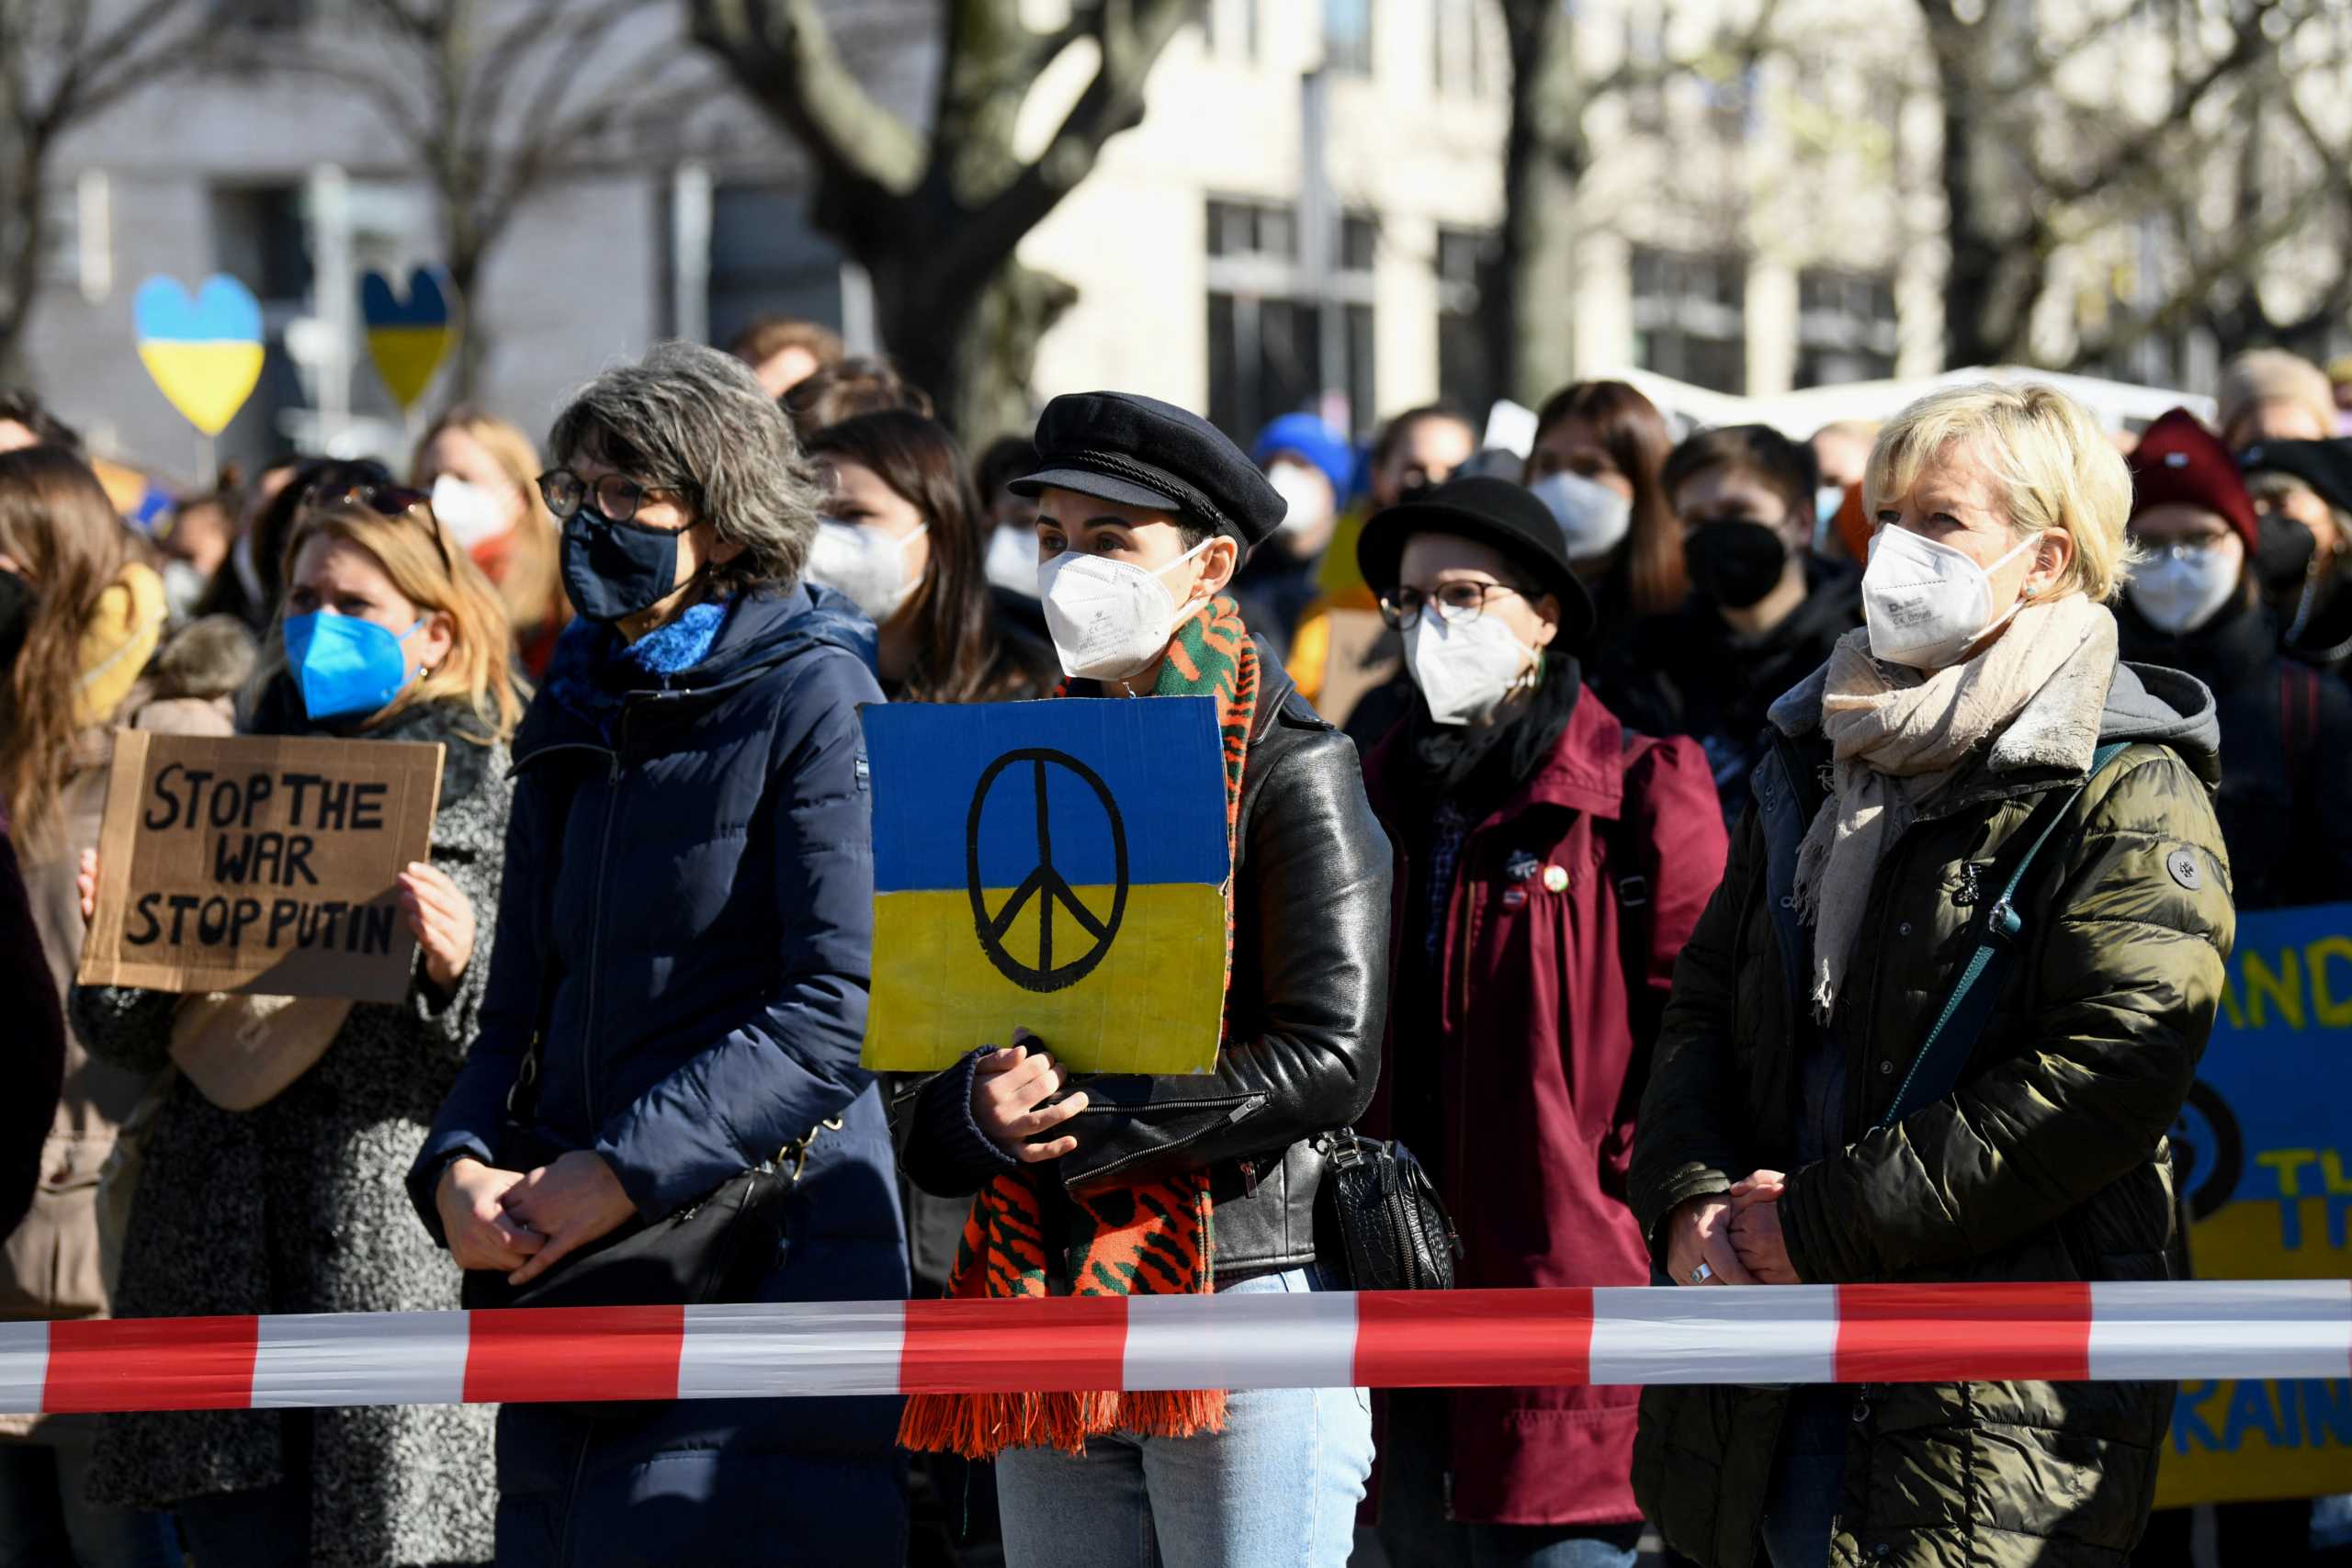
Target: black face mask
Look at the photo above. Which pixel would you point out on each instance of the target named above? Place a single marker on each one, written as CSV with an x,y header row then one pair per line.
x,y
2282,553
1734,564
613,570
16,616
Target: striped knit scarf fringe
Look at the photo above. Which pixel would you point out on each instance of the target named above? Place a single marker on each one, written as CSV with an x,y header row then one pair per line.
x,y
1149,1238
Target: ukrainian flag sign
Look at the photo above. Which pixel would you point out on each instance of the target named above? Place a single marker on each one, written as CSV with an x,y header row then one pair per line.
x,y
1058,866
203,349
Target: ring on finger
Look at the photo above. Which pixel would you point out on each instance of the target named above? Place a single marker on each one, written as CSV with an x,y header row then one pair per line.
x,y
1702,1274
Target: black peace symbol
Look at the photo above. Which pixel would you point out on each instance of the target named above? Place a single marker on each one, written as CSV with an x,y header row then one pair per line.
x,y
1044,883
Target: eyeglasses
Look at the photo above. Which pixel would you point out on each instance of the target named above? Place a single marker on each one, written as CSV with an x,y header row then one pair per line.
x,y
1458,604
617,496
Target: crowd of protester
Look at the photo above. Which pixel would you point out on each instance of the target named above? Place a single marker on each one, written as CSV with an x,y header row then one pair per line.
x,y
1607,820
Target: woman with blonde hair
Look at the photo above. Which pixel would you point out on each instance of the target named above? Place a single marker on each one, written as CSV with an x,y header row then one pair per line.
x,y
80,619
1941,1013
286,1195
483,474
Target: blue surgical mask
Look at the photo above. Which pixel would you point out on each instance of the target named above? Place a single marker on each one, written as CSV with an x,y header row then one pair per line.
x,y
614,569
344,665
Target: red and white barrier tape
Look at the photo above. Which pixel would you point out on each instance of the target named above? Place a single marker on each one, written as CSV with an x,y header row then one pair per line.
x,y
1386,1340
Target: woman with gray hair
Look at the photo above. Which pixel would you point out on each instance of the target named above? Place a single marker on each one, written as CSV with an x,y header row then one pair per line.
x,y
678,987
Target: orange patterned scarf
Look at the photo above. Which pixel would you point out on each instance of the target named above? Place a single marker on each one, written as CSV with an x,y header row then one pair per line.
x,y
1150,1238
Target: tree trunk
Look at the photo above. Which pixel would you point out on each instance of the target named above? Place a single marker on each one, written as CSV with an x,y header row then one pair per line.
x,y
465,253
26,213
1526,295
1999,263
975,350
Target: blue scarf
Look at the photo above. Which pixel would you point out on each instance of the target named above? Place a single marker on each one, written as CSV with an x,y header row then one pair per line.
x,y
594,686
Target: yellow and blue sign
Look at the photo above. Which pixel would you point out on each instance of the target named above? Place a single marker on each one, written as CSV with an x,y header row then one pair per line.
x,y
205,350
408,338
1058,866
2267,1151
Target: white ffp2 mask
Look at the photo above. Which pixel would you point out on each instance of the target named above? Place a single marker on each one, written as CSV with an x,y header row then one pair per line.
x,y
2181,587
866,564
472,514
1924,601
1465,669
1108,618
1011,560
1593,519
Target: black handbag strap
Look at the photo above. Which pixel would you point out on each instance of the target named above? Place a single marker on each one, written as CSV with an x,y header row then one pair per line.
x,y
2000,931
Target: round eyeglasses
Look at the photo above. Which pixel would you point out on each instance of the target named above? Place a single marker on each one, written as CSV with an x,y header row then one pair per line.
x,y
617,496
1458,604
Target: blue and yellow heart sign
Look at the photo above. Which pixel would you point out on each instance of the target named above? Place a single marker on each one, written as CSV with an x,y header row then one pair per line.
x,y
1058,866
204,350
408,338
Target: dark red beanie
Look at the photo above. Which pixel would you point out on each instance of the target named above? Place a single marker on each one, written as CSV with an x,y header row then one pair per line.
x,y
2180,462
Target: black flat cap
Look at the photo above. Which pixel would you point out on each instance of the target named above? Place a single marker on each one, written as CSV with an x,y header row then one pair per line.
x,y
1493,512
2325,466
1139,451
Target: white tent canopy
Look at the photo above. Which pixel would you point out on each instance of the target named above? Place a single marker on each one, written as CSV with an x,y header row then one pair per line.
x,y
2118,404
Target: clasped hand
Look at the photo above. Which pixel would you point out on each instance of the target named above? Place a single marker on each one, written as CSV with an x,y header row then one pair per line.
x,y
526,1221
1009,1095
1735,1235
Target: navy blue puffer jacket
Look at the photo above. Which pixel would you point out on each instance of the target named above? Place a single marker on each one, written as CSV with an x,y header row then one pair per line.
x,y
689,897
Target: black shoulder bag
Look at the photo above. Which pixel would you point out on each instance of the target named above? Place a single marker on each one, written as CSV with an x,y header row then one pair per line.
x,y
716,1248
1379,1206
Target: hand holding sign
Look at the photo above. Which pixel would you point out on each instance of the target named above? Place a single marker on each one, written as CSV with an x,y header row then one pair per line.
x,y
1008,1094
408,338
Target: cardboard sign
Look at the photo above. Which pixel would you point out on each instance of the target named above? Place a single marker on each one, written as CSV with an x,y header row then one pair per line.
x,y
260,864
2265,1144
204,350
1058,866
408,338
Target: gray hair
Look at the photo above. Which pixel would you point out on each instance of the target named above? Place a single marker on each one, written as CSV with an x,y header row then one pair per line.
x,y
690,418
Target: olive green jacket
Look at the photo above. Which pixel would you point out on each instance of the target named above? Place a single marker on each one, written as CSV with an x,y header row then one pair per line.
x,y
2048,1162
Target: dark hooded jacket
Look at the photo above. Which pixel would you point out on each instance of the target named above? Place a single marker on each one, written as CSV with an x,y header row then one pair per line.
x,y
1691,673
687,921
2048,1162
2286,799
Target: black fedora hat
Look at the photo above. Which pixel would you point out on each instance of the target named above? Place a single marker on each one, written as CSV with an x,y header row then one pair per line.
x,y
1492,512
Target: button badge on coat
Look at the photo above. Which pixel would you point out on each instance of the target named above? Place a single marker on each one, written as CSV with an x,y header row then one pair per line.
x,y
2182,863
1556,879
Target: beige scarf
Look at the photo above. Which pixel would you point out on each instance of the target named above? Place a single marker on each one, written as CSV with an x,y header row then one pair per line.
x,y
1897,734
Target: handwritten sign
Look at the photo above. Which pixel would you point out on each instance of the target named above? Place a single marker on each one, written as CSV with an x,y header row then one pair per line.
x,y
260,864
2266,1143
1057,866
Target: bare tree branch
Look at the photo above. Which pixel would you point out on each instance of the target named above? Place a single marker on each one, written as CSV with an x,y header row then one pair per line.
x,y
781,54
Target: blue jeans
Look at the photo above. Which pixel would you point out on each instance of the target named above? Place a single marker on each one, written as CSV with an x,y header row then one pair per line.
x,y
46,1523
1416,1455
1808,1478
1278,1488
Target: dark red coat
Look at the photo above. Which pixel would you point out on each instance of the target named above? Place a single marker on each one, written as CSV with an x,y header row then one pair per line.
x,y
1540,1071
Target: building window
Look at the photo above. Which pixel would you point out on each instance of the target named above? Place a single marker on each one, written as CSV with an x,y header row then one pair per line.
x,y
1347,35
1265,319
1466,372
1230,29
1845,327
766,259
1462,55
1690,317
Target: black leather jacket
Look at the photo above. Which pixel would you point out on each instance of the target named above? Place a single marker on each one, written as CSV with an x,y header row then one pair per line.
x,y
1305,1013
